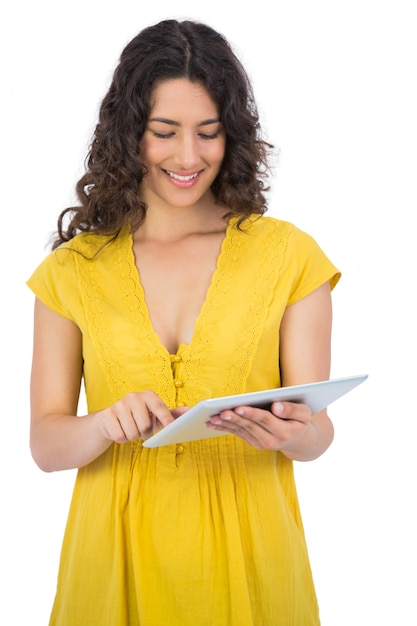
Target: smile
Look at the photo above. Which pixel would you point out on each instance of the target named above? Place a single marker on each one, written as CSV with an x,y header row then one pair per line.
x,y
182,178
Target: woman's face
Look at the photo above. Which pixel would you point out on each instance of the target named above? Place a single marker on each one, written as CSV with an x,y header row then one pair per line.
x,y
183,145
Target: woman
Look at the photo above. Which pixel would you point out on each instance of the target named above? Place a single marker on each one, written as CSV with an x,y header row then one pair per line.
x,y
167,285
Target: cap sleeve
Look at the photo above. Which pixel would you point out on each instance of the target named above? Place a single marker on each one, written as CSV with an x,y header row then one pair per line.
x,y
54,282
313,267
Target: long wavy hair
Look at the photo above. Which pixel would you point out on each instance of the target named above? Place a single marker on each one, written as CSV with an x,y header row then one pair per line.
x,y
108,192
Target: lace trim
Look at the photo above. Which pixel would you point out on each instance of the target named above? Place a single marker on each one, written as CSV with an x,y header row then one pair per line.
x,y
93,299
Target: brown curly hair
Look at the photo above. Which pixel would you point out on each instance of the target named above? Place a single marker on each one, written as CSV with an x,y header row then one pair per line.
x,y
108,191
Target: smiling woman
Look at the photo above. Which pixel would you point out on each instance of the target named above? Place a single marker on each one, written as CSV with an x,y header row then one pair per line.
x,y
167,285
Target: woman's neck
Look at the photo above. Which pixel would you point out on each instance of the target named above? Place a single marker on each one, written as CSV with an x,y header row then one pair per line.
x,y
167,223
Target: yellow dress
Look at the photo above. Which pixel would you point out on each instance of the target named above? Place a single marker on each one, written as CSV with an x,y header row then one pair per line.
x,y
206,533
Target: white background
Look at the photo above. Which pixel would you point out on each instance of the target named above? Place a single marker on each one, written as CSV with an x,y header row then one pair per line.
x,y
336,87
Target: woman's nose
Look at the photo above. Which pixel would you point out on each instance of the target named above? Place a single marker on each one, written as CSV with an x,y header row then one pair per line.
x,y
187,152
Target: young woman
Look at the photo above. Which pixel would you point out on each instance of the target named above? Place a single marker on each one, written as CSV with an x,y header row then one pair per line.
x,y
168,285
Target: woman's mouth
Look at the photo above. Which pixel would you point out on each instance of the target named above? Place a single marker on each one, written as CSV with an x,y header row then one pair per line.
x,y
182,180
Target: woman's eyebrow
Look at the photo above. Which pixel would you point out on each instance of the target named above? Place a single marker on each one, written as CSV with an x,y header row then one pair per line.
x,y
165,120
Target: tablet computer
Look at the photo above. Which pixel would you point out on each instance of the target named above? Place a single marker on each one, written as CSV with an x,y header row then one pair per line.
x,y
191,425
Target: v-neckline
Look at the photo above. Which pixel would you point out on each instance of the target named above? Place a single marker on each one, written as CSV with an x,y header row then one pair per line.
x,y
205,307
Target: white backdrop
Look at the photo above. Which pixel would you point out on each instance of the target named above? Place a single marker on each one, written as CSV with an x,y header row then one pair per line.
x,y
336,87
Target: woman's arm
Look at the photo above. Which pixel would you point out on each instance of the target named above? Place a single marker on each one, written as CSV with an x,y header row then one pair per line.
x,y
305,337
60,439
305,353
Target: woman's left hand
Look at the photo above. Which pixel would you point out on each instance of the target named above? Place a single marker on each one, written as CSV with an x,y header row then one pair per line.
x,y
284,427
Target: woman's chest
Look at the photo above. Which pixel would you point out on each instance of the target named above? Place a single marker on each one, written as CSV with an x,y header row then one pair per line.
x,y
175,280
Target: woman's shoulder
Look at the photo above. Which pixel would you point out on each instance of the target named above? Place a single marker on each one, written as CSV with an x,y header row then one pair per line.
x,y
298,246
87,244
85,248
72,269
269,226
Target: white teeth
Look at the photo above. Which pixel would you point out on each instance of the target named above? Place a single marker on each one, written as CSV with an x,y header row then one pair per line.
x,y
183,178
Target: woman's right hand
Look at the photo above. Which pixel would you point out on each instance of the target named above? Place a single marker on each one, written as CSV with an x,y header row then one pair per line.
x,y
136,416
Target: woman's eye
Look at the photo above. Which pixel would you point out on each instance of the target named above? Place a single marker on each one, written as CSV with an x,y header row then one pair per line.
x,y
162,135
213,136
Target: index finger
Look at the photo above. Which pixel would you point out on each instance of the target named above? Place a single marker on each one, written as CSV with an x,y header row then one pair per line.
x,y
157,408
